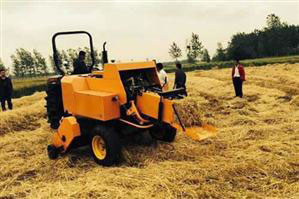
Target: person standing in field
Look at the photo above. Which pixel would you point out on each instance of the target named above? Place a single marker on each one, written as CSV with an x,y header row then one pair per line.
x,y
180,78
238,76
162,76
6,89
79,64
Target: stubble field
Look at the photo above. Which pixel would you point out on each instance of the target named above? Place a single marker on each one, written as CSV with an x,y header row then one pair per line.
x,y
254,155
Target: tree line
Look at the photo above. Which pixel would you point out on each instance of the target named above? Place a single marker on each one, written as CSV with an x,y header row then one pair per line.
x,y
27,64
276,39
32,64
194,50
67,58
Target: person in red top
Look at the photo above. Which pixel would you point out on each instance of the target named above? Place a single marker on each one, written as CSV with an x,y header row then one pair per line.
x,y
238,76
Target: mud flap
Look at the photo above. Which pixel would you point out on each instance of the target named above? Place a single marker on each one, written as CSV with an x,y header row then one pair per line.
x,y
68,130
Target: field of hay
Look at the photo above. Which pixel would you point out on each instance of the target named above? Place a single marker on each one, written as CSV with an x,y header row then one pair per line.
x,y
254,155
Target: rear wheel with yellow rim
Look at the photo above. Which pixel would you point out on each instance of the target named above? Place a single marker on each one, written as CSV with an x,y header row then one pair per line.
x,y
105,145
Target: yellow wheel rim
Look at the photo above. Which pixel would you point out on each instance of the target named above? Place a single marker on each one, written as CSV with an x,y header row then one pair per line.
x,y
98,147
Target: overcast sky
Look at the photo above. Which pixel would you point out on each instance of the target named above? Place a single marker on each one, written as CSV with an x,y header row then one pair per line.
x,y
133,29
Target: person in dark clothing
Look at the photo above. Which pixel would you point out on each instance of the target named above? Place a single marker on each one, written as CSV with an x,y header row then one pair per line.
x,y
79,64
180,78
6,89
238,77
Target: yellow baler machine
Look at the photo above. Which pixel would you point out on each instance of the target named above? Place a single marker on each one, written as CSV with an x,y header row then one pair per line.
x,y
105,106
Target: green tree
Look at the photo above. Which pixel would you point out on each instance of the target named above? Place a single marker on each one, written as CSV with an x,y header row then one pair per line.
x,y
220,53
1,64
194,48
273,21
23,63
72,54
65,61
277,39
205,56
26,63
97,56
52,65
175,52
40,64
18,70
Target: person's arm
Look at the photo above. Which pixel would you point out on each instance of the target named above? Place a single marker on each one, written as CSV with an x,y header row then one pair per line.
x,y
185,79
233,71
86,68
242,73
75,67
175,80
166,79
10,86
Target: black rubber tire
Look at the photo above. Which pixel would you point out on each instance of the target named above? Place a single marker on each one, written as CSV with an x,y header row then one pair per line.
x,y
52,152
163,132
143,138
54,105
112,145
170,134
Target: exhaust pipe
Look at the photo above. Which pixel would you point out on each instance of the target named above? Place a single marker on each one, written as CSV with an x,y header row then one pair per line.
x,y
104,55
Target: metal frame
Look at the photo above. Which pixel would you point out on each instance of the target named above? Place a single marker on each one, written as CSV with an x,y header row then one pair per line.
x,y
55,53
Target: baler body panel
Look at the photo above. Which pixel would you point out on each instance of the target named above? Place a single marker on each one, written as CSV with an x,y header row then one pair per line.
x,y
148,104
99,95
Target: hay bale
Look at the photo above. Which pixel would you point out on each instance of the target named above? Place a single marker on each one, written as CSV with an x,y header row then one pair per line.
x,y
189,112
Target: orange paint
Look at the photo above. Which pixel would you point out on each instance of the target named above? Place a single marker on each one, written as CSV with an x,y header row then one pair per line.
x,y
199,133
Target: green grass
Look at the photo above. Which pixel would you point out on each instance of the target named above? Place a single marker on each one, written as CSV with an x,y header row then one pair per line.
x,y
23,87
170,66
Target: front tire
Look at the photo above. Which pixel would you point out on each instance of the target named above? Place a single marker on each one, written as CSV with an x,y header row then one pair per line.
x,y
53,152
105,145
54,104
